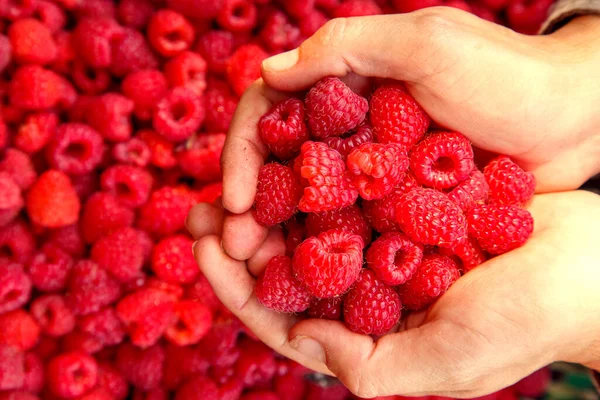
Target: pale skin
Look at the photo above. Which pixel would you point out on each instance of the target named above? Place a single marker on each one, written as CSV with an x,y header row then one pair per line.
x,y
533,98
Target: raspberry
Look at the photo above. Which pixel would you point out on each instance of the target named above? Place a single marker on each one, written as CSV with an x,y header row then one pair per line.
x,y
201,158
165,212
14,395
110,379
135,13
169,32
35,88
220,106
15,287
19,166
394,258
69,240
277,288
130,53
12,371
349,219
120,253
109,115
469,253
173,261
201,292
156,394
90,288
330,185
333,109
509,184
172,289
105,326
295,234
256,364
209,193
536,384
178,115
35,132
357,8
181,363
499,229
237,15
435,275
527,16
429,217
145,88
32,42
350,140
34,373
102,214
80,342
187,70
19,329
92,40
85,185
283,129
328,263
396,117
76,149
370,306
192,323
100,8
135,152
5,52
197,9
216,47
470,192
330,308
299,8
17,242
90,80
310,23
406,6
52,315
14,10
11,201
146,313
377,168
243,67
197,388
141,367
49,269
71,374
130,185
323,388
277,194
278,32
46,348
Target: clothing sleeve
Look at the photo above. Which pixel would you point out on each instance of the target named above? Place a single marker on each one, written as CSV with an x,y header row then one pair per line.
x,y
564,10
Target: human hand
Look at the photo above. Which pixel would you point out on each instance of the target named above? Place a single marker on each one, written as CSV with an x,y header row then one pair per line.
x,y
503,320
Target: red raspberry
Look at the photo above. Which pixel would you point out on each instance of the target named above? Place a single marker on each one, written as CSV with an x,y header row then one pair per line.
x,y
256,364
350,219
85,185
5,52
92,8
435,275
153,282
377,168
14,395
469,253
76,149
135,13
49,269
178,115
165,212
135,152
46,348
35,88
406,6
17,242
201,158
173,261
192,322
357,8
499,229
19,166
429,217
145,88
333,109
120,253
105,326
169,32
295,234
90,288
370,306
90,80
32,42
277,288
197,388
278,32
130,185
330,185
330,308
328,390
470,192
141,367
394,258
442,160
534,385
80,342
35,132
328,264
52,201
220,106
156,394
11,201
283,129
310,23
15,287
12,371
237,15
277,194
209,193
161,150
19,329
69,240
396,116
109,114
350,140
52,315
216,47
509,184
71,374
102,215
147,313
51,15
110,379
188,70
130,53
181,363
198,9
243,67
527,16
299,8
34,373
93,38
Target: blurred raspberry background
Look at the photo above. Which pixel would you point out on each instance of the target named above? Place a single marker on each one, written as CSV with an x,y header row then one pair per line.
x,y
113,116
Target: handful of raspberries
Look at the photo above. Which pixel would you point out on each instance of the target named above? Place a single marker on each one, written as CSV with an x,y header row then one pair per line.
x,y
381,214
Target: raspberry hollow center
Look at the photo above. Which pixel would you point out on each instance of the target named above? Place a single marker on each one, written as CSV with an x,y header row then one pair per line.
x,y
445,164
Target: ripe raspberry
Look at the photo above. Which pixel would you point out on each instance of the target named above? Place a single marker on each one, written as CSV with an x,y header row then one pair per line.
x,y
330,308
196,388
130,53
220,106
52,315
19,166
329,184
5,52
216,47
102,214
35,132
435,275
333,109
350,140
328,264
283,129
35,88
161,150
169,32
295,233
19,330
130,185
52,201
370,306
109,114
509,184
15,287
192,322
80,342
145,88
110,379
499,229
442,160
105,326
357,8
237,15
165,212
534,385
470,192
135,13
141,367
209,193
299,8
188,69
196,9
90,80
527,16
90,288
201,158
101,8
69,240
429,217
277,288
243,67
71,374
146,313
181,363
135,152
469,253
46,348
173,261
279,33
324,388
11,201
49,269
377,168
396,117
349,219
256,364
12,371
76,149
34,373
394,258
32,42
92,40
17,242
277,195
120,253
178,115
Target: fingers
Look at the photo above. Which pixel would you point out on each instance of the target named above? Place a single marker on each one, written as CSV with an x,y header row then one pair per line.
x,y
273,245
204,219
242,235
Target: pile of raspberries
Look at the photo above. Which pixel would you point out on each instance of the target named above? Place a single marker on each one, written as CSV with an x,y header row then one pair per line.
x,y
113,116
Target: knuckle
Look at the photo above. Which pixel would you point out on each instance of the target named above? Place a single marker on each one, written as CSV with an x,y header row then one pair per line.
x,y
358,382
333,33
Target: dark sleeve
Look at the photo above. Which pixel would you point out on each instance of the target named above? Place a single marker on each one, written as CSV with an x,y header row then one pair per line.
x,y
564,10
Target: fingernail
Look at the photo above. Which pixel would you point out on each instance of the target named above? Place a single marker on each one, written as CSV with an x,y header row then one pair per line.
x,y
281,62
309,347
